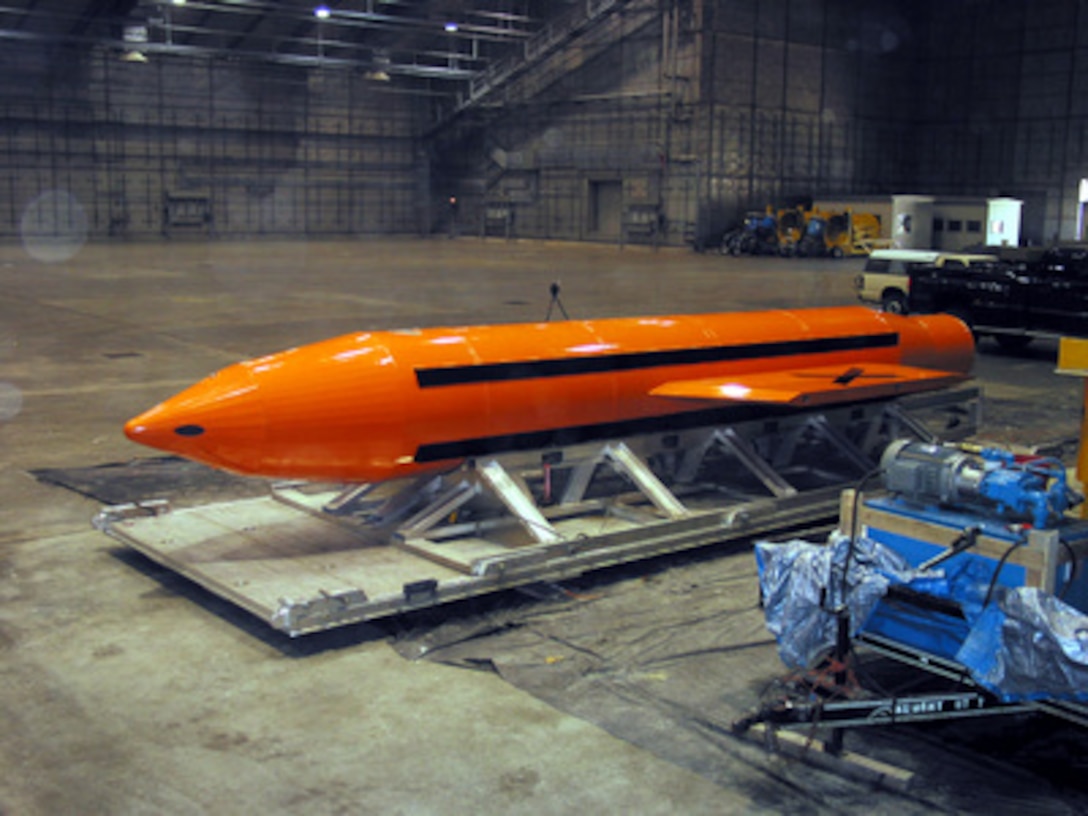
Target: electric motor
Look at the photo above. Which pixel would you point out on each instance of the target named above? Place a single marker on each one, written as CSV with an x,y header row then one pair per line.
x,y
1032,488
935,473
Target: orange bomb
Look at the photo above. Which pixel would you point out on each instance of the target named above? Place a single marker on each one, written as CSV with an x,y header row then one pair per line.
x,y
375,406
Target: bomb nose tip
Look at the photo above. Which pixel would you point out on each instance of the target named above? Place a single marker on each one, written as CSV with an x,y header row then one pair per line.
x,y
138,428
219,421
155,429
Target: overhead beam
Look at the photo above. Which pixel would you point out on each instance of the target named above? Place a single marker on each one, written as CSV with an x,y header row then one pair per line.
x,y
311,61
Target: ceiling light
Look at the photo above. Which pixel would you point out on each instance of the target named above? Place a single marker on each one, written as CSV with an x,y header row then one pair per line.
x,y
451,27
134,33
134,36
322,12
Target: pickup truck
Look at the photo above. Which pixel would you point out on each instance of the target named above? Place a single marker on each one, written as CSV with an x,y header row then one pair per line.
x,y
883,281
1013,302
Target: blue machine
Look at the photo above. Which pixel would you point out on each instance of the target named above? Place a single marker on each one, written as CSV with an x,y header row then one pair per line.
x,y
988,533
969,569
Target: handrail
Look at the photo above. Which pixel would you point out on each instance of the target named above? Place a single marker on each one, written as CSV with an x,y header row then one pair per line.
x,y
541,43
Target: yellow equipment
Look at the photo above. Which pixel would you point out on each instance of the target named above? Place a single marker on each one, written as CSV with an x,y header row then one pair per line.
x,y
791,229
839,234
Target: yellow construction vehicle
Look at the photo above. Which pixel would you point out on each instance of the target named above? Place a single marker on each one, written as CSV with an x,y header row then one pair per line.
x,y
791,229
839,234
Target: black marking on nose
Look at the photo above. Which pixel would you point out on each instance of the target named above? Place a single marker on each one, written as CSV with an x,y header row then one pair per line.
x,y
189,430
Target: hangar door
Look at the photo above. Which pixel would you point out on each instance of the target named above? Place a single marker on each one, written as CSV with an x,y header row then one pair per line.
x,y
605,209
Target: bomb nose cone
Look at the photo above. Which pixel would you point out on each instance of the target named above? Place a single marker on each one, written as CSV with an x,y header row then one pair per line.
x,y
158,427
219,421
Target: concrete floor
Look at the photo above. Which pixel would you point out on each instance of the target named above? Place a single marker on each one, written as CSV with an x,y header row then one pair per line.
x,y
121,692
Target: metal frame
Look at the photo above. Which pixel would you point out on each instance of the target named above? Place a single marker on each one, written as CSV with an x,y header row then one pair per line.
x,y
831,700
374,550
1075,713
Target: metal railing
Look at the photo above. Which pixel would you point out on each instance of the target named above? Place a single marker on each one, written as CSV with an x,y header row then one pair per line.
x,y
542,43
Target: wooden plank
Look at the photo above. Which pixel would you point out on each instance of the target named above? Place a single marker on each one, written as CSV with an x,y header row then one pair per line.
x,y
1032,559
846,763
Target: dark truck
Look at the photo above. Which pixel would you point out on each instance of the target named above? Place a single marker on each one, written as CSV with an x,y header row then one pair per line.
x,y
1013,301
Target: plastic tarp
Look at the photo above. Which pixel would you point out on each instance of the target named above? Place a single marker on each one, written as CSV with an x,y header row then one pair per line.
x,y
1025,644
802,583
1029,645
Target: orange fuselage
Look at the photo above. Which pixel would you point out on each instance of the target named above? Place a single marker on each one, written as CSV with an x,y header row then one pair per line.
x,y
381,405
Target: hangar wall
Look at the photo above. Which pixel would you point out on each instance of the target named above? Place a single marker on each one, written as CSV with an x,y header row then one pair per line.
x,y
1005,110
950,97
692,111
803,99
577,146
713,107
180,145
662,122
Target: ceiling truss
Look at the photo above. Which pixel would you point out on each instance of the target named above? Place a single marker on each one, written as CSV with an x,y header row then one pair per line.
x,y
426,45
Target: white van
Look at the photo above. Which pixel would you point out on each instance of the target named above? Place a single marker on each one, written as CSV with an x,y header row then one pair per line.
x,y
883,281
